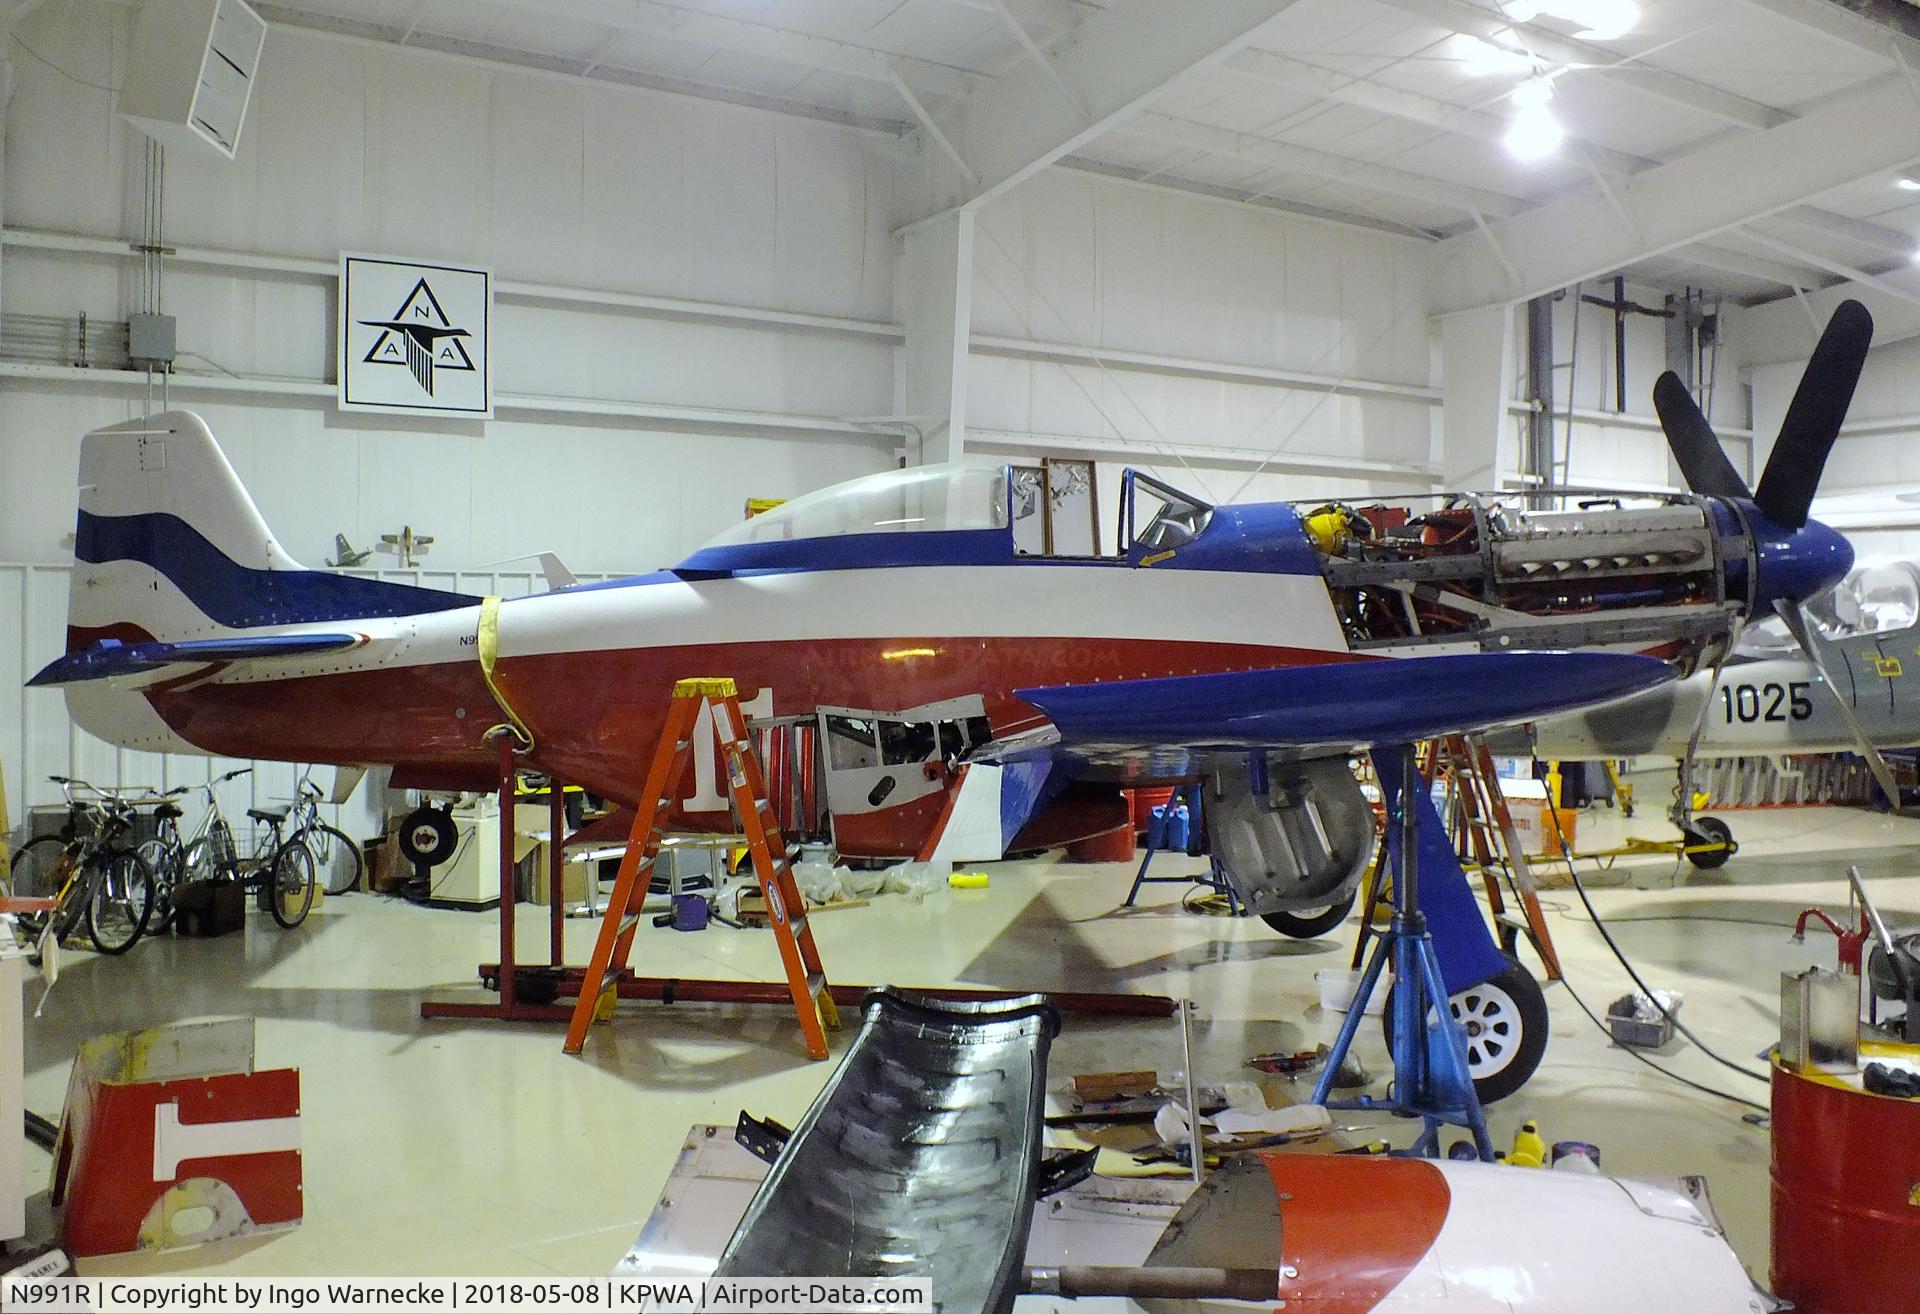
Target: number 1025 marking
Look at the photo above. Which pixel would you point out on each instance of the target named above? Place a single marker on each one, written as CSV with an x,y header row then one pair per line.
x,y
1748,703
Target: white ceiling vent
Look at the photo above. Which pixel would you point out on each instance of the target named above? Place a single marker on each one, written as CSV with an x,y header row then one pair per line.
x,y
191,70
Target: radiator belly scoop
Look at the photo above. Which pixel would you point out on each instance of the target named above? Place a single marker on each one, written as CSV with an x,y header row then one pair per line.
x,y
1300,842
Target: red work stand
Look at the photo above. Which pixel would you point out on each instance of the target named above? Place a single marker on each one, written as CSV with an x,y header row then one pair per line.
x,y
529,992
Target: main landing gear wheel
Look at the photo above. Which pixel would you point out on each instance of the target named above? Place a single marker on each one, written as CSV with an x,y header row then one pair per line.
x,y
1710,830
1307,925
427,836
1506,1023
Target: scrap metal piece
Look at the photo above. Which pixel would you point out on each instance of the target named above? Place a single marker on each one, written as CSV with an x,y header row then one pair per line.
x,y
763,1137
920,1158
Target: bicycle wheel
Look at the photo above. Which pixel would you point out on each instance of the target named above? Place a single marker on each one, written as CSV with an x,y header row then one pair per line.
x,y
38,870
119,901
167,862
335,857
290,896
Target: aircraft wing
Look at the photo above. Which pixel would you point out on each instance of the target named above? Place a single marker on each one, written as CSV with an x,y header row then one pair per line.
x,y
107,658
1336,706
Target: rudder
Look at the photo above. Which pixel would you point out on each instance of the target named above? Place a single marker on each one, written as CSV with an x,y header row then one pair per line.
x,y
169,546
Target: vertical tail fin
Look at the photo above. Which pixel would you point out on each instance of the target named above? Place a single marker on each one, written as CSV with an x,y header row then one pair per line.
x,y
170,546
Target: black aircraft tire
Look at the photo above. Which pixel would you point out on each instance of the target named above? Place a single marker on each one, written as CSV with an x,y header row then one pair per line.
x,y
428,836
1507,1022
1306,926
1711,830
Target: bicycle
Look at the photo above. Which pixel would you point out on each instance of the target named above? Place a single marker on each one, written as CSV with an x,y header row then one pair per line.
x,y
90,875
335,854
281,870
167,851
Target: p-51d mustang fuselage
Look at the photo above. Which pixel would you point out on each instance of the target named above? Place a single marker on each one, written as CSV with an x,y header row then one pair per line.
x,y
1248,645
969,699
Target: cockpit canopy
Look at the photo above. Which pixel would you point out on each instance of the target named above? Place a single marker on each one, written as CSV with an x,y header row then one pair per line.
x,y
958,497
922,499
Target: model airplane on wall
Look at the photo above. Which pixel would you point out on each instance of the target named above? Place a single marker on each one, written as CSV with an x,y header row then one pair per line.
x,y
970,700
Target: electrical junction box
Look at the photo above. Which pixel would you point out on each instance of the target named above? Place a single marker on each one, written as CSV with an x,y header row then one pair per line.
x,y
150,340
190,71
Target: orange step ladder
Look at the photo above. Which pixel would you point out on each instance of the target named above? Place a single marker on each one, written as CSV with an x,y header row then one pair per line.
x,y
1487,840
1487,827
806,979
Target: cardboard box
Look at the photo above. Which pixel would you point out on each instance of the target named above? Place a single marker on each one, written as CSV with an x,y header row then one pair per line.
x,y
383,857
574,874
1538,835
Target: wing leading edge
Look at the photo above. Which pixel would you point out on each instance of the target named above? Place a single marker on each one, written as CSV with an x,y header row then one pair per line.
x,y
1340,705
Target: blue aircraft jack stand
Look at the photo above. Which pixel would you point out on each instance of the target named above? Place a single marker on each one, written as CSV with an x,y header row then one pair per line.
x,y
1431,1080
1159,835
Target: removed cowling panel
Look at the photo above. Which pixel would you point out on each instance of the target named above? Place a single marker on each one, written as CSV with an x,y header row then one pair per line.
x,y
919,1159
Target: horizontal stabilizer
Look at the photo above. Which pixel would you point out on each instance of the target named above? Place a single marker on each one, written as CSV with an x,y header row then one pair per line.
x,y
1352,704
105,658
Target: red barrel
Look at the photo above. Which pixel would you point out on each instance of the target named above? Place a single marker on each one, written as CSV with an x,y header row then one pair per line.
x,y
1114,846
1846,1195
1144,801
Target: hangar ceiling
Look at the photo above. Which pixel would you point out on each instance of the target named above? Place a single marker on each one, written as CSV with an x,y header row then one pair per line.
x,y
1389,113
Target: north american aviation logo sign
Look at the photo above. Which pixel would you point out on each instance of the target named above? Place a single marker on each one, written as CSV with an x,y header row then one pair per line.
x,y
413,337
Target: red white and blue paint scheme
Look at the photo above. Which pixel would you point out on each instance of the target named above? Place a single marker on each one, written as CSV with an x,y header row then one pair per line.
x,y
970,699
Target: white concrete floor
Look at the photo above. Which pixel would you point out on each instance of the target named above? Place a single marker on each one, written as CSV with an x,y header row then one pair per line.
x,y
479,1148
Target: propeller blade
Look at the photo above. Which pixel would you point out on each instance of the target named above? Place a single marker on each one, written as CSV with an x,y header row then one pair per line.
x,y
1703,462
1797,625
1814,418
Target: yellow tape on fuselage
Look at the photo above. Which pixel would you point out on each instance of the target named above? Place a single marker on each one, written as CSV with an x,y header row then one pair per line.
x,y
489,645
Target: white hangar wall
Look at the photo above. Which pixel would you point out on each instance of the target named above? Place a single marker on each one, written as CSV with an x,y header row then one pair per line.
x,y
1199,339
1875,465
553,182
1599,446
574,193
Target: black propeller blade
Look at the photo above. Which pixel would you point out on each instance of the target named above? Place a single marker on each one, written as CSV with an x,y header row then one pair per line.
x,y
1813,420
1703,461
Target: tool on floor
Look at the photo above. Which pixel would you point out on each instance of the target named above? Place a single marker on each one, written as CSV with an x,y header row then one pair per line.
x,y
806,978
1286,1065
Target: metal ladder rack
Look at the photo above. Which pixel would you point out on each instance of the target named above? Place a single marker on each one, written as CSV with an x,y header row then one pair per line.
x,y
746,784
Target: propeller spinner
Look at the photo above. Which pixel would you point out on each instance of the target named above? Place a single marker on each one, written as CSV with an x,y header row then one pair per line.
x,y
1794,557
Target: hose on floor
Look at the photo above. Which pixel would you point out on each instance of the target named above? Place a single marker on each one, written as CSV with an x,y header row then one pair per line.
x,y
1600,925
41,1132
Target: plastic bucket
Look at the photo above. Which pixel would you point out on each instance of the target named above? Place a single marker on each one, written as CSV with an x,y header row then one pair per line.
x,y
1337,987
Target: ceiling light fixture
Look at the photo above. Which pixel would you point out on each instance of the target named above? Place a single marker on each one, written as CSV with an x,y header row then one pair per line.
x,y
1534,133
1483,58
1600,20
